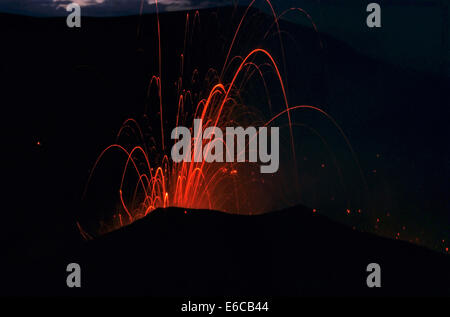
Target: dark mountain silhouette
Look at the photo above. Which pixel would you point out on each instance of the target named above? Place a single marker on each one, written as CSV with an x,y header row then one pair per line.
x,y
200,252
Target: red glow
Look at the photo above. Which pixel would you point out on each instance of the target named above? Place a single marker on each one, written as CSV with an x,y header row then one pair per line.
x,y
159,182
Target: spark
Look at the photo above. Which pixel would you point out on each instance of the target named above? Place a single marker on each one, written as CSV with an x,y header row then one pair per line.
x,y
149,182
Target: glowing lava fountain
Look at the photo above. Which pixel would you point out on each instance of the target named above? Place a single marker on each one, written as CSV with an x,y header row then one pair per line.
x,y
150,181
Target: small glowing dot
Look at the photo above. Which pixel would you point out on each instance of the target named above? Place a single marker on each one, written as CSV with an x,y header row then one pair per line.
x,y
323,165
185,211
446,249
314,210
403,228
378,219
348,211
398,234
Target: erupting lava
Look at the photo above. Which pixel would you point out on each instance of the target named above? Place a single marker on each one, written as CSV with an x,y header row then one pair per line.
x,y
151,181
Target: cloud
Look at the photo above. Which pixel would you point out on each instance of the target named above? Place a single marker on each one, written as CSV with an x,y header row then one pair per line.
x,y
102,7
132,5
82,3
173,5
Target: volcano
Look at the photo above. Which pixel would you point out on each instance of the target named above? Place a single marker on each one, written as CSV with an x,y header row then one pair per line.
x,y
295,252
66,92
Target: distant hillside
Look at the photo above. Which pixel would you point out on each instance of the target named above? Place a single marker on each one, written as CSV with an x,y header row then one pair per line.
x,y
414,34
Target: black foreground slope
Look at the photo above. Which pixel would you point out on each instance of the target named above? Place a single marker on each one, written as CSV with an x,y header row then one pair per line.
x,y
291,252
